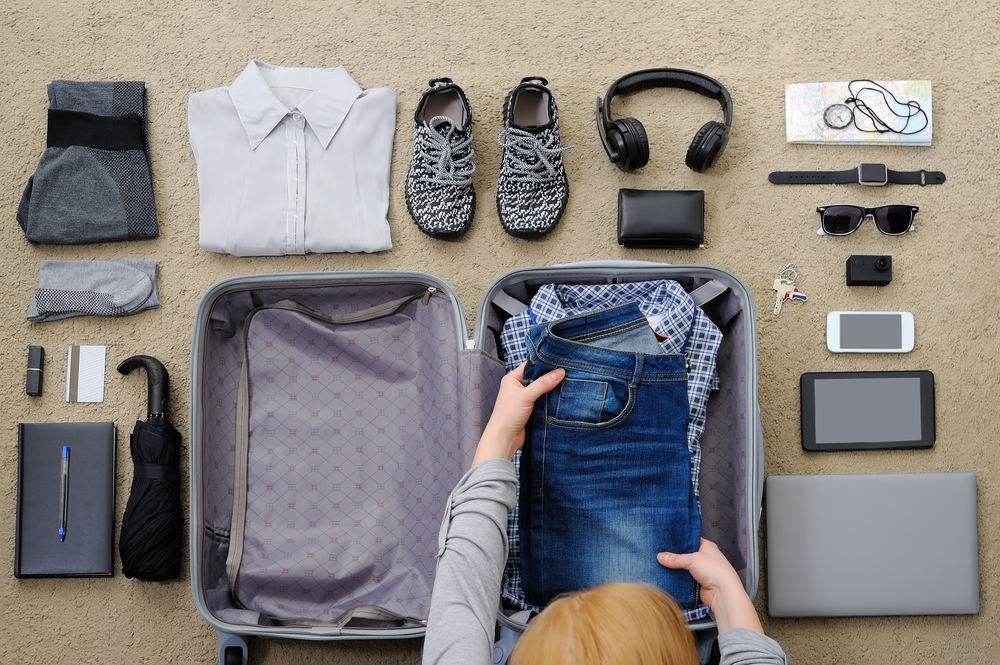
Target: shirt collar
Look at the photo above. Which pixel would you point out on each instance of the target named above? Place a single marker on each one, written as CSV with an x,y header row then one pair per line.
x,y
334,92
671,312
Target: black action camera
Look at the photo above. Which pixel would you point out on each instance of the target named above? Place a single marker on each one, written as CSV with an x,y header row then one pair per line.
x,y
864,270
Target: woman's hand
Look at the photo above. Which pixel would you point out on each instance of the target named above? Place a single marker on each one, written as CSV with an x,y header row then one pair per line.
x,y
504,433
721,588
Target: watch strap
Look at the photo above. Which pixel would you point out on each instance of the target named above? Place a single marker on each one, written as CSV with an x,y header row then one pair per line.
x,y
915,177
814,177
851,176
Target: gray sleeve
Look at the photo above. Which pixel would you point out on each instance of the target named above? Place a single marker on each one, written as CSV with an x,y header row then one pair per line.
x,y
472,552
740,646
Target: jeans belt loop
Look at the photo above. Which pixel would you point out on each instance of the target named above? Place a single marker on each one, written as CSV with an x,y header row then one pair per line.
x,y
532,348
639,359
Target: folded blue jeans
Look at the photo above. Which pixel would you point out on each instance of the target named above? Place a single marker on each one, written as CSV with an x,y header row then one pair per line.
x,y
605,468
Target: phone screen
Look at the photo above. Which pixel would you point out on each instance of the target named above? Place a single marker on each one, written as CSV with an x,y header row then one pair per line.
x,y
871,331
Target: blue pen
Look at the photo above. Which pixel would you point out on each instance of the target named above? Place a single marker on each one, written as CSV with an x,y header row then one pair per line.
x,y
64,494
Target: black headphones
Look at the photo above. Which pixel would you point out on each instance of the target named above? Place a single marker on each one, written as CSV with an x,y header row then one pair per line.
x,y
625,140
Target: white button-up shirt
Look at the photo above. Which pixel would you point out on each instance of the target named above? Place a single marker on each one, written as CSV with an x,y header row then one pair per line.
x,y
293,160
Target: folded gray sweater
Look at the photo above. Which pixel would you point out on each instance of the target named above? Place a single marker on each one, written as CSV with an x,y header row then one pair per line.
x,y
94,181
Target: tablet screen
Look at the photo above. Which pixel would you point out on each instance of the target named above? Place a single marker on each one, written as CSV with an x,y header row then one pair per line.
x,y
873,410
867,410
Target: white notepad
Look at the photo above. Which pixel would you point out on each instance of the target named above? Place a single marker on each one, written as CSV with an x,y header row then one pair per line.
x,y
85,374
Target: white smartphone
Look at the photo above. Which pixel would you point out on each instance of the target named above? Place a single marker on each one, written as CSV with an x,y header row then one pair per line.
x,y
869,332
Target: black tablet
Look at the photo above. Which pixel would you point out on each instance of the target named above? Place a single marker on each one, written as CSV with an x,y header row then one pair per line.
x,y
867,410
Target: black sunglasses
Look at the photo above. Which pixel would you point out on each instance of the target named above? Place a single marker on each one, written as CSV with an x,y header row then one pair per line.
x,y
842,220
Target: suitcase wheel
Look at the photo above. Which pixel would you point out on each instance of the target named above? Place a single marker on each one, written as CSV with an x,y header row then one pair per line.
x,y
233,656
232,649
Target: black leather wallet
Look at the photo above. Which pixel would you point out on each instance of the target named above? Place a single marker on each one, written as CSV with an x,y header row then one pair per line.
x,y
657,218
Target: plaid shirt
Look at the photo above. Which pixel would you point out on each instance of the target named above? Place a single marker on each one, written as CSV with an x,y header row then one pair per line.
x,y
669,310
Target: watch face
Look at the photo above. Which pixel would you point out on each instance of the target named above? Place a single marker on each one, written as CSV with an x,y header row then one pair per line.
x,y
873,174
838,116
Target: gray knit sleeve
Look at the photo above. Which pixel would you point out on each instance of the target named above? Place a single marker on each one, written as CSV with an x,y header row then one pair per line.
x,y
740,646
472,551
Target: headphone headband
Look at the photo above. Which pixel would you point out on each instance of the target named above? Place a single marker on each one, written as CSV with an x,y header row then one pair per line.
x,y
669,78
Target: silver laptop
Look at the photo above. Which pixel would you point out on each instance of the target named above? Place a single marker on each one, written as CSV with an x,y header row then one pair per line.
x,y
870,545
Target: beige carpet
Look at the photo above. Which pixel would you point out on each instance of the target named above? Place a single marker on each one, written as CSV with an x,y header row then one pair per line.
x,y
946,273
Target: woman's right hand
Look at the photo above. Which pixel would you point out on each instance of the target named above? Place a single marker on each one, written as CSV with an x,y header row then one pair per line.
x,y
721,588
504,433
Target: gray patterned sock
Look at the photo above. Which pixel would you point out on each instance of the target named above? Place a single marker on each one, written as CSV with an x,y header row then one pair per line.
x,y
101,288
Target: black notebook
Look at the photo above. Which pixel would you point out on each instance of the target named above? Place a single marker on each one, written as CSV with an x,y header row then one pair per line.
x,y
87,547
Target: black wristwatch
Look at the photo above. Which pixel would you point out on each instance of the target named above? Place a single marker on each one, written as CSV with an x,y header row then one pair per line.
x,y
871,175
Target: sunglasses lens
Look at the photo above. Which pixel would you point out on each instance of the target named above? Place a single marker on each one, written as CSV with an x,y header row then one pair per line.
x,y
893,220
841,220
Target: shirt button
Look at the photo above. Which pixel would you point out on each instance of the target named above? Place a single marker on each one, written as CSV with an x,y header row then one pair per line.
x,y
296,117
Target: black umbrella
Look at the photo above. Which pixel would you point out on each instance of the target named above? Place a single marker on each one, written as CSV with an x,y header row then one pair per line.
x,y
152,533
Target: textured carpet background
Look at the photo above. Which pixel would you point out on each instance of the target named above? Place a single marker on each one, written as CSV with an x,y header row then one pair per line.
x,y
946,273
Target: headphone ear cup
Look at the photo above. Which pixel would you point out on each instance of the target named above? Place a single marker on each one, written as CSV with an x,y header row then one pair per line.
x,y
706,146
638,144
621,138
618,153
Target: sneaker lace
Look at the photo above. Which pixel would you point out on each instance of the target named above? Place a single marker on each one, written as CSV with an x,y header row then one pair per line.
x,y
447,156
530,156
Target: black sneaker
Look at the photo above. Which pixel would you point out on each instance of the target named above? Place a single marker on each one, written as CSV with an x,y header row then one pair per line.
x,y
439,191
532,189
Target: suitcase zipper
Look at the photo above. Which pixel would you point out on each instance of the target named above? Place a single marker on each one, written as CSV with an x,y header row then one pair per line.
x,y
431,290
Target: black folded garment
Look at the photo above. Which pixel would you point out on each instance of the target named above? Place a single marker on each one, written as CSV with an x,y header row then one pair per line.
x,y
94,181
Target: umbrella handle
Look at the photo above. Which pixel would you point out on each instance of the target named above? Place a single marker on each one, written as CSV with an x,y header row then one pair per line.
x,y
157,382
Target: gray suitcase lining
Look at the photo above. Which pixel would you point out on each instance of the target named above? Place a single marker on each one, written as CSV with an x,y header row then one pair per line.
x,y
398,377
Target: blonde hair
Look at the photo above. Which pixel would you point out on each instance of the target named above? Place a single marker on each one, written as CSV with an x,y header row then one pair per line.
x,y
614,624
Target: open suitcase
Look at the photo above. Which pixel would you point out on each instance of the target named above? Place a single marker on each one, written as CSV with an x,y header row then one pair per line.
x,y
351,556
